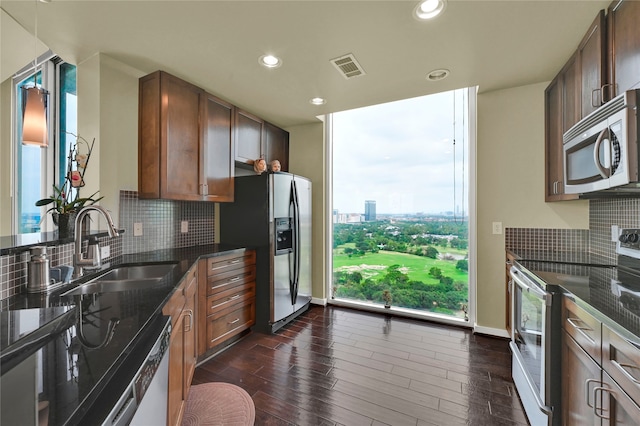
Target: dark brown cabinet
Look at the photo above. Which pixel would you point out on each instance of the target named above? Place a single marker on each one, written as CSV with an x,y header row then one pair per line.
x,y
561,112
600,379
169,138
182,345
276,145
185,141
248,137
227,300
593,61
623,47
219,148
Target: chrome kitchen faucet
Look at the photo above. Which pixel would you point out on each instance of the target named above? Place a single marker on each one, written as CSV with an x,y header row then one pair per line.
x,y
79,262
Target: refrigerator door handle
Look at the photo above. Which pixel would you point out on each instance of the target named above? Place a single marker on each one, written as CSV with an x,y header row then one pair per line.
x,y
296,243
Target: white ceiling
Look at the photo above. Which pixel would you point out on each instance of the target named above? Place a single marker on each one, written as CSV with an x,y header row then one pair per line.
x,y
216,45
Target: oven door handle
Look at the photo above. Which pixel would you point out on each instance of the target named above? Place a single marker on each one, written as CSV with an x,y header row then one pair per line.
x,y
529,288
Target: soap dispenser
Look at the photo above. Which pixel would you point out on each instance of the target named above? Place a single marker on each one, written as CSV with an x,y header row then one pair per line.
x,y
38,270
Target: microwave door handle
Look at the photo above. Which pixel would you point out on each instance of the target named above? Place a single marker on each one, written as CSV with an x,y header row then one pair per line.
x,y
604,171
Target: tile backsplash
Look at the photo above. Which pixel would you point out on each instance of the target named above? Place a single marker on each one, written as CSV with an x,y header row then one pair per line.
x,y
161,228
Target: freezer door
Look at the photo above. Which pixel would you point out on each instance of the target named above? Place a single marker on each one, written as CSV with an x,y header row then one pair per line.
x,y
303,188
281,207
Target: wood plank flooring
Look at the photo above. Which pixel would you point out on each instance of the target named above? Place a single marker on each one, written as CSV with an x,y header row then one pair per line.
x,y
336,366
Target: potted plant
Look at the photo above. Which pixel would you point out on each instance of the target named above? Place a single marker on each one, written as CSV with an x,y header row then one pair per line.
x,y
66,199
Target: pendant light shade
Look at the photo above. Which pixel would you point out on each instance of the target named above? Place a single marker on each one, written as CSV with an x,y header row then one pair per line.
x,y
34,116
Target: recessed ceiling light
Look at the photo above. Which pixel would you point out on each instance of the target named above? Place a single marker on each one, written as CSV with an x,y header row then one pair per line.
x,y
437,75
270,61
428,9
318,101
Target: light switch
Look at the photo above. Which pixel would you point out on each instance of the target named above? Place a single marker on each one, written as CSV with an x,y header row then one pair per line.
x,y
137,229
184,226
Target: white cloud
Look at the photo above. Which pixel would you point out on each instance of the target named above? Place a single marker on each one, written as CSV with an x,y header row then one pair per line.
x,y
401,155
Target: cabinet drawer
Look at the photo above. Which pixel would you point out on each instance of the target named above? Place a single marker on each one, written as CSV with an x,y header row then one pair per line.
x,y
236,277
230,296
229,322
220,264
583,327
621,360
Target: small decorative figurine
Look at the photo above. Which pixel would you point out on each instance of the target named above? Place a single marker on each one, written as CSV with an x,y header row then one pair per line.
x,y
259,166
275,166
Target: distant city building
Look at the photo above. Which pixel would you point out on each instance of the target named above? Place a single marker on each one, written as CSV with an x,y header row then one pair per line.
x,y
369,210
335,216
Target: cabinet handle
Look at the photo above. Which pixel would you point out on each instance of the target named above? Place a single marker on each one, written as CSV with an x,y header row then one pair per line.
x,y
555,187
596,104
204,189
586,390
581,328
235,296
624,366
234,321
190,313
612,90
596,409
234,279
231,262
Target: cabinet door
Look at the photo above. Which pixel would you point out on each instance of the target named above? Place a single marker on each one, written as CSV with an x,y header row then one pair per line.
x,y
617,407
624,45
181,140
248,137
170,138
190,329
621,360
571,92
219,144
580,378
175,402
593,65
276,145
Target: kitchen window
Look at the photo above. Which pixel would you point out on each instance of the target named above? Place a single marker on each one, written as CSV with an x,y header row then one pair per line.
x,y
36,169
402,224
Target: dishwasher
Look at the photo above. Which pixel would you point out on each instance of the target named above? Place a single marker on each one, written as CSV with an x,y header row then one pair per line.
x,y
144,402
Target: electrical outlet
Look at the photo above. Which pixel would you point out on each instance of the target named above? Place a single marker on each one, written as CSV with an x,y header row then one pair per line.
x,y
105,252
184,226
615,233
497,228
137,229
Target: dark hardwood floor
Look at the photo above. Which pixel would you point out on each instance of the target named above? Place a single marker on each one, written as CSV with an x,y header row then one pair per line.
x,y
336,366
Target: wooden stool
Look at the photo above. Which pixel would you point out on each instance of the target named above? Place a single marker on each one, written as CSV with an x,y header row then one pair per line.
x,y
218,404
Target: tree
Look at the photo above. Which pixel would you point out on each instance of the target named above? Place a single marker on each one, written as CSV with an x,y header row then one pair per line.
x,y
462,265
435,272
431,252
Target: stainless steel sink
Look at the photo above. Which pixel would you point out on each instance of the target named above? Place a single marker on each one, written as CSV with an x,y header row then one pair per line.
x,y
158,270
125,278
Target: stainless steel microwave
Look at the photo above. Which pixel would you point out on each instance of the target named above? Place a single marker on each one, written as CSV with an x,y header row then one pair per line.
x,y
601,151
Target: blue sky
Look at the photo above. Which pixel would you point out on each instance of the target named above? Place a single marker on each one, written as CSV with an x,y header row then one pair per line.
x,y
401,155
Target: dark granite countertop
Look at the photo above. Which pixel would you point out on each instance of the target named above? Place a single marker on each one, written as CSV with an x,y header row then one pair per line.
x,y
605,291
56,349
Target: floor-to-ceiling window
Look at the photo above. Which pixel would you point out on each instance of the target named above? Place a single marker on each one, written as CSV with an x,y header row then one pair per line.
x,y
401,206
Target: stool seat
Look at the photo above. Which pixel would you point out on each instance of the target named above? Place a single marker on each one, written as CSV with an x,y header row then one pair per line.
x,y
218,403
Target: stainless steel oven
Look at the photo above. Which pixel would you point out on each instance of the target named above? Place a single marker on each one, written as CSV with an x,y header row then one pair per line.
x,y
535,346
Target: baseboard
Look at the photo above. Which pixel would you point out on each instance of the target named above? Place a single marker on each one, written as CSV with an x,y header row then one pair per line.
x,y
497,332
318,301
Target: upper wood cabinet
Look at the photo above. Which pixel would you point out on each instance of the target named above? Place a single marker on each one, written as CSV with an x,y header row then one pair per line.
x,y
592,68
248,137
169,138
561,112
276,146
623,46
185,141
219,149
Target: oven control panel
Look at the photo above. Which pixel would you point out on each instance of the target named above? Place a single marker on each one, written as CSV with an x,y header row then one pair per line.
x,y
629,242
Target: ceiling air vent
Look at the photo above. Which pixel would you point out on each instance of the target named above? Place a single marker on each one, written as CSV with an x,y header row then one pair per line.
x,y
348,66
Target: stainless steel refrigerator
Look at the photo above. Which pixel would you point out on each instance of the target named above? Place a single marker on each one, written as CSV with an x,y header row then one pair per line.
x,y
271,212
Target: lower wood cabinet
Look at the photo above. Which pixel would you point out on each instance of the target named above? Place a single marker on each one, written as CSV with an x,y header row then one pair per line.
x,y
227,290
601,372
182,345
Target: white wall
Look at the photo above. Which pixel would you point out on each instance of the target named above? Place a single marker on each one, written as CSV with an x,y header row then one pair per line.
x,y
307,158
510,187
108,111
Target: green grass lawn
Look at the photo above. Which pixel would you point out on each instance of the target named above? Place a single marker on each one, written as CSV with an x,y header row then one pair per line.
x,y
372,265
